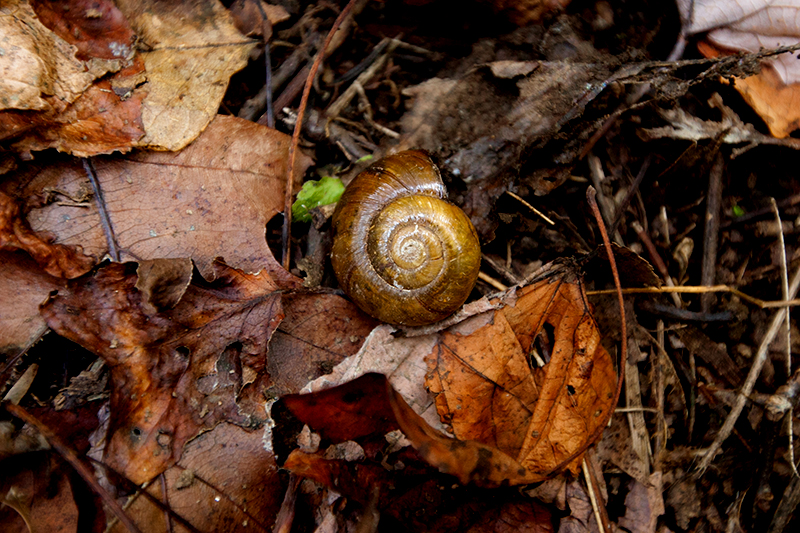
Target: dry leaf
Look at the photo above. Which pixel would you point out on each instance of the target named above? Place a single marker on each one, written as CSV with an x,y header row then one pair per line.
x,y
36,495
319,331
489,389
23,287
736,25
212,199
225,481
162,97
514,423
58,260
178,372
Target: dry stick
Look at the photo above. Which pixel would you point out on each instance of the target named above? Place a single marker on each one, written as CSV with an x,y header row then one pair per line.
x,y
634,188
661,436
301,111
69,455
691,289
529,206
758,363
167,517
711,233
105,220
656,258
785,293
599,511
140,491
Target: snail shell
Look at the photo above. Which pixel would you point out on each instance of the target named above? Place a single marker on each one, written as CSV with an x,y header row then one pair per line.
x,y
401,251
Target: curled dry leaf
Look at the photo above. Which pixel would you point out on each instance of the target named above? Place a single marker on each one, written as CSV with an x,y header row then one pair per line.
x,y
214,198
161,95
58,260
174,373
513,422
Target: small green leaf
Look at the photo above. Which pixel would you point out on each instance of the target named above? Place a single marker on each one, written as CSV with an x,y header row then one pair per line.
x,y
738,211
315,193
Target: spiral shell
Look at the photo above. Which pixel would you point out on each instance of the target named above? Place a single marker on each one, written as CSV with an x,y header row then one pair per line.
x,y
401,251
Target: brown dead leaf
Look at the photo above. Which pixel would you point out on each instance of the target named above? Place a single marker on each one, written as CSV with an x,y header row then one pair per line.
x,y
514,423
643,505
194,48
162,97
38,64
224,481
35,495
212,199
776,102
23,287
58,260
319,331
178,372
489,389
95,27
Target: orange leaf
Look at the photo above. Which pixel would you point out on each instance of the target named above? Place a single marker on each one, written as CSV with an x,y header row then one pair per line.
x,y
513,423
487,388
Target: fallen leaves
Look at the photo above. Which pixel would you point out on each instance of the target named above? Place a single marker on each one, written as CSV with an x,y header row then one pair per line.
x,y
214,198
76,82
176,372
735,25
513,423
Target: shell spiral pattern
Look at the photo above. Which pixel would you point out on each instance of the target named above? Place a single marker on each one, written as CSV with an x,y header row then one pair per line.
x,y
401,251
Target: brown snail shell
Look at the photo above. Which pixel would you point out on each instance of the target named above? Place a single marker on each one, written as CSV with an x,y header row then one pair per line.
x,y
401,251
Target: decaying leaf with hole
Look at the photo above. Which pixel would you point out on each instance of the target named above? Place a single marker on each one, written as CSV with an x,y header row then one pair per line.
x,y
176,372
513,421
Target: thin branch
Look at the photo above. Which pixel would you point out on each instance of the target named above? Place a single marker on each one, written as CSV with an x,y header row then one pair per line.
x,y
301,111
105,220
755,370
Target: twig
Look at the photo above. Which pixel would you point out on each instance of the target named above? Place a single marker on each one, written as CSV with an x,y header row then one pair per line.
x,y
298,127
71,457
283,522
491,281
661,434
656,258
599,511
529,206
268,65
785,292
105,220
691,289
755,370
338,105
711,232
634,188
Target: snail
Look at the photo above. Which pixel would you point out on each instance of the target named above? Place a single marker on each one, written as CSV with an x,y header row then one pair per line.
x,y
401,251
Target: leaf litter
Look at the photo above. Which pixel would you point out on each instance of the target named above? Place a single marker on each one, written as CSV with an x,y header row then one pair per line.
x,y
513,390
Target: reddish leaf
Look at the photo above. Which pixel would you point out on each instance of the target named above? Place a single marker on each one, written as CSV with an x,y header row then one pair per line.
x,y
513,424
96,27
23,286
212,199
56,259
174,373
